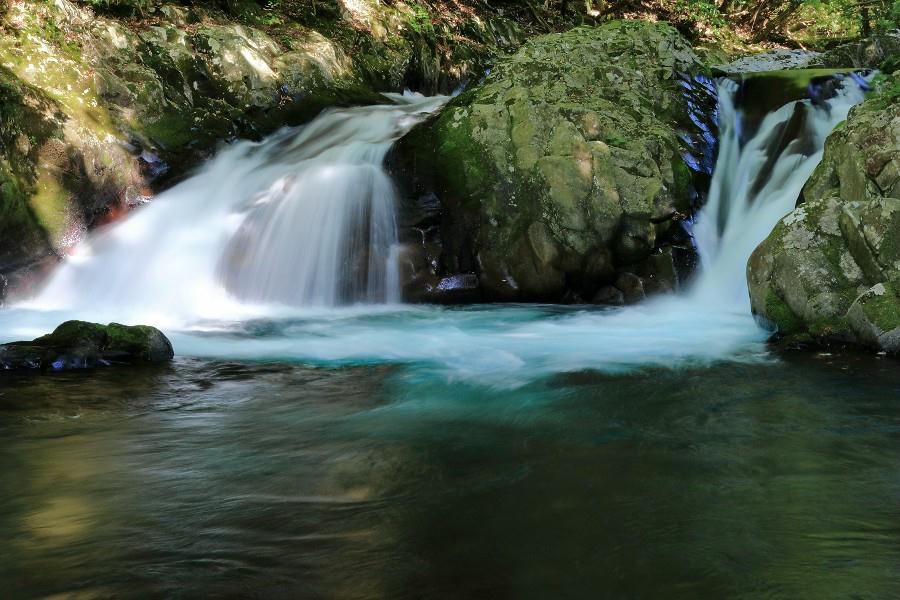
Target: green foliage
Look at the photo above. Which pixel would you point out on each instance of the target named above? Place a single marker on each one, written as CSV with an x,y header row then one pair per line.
x,y
760,20
699,11
420,19
891,65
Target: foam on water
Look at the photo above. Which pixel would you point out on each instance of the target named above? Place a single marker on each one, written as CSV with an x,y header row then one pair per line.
x,y
284,250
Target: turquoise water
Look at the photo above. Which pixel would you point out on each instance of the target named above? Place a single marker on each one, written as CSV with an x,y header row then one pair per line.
x,y
496,345
417,477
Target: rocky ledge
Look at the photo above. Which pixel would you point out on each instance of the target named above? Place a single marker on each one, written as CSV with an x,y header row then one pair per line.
x,y
82,345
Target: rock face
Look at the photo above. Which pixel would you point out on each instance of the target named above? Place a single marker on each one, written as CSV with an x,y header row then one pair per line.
x,y
830,270
99,111
772,60
82,345
561,171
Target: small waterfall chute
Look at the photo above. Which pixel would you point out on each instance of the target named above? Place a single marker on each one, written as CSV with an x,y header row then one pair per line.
x,y
757,180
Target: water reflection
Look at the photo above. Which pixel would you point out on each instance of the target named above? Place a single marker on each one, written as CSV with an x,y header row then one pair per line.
x,y
262,480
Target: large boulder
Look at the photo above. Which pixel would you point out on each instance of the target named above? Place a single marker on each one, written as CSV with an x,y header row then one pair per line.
x,y
830,270
561,171
82,345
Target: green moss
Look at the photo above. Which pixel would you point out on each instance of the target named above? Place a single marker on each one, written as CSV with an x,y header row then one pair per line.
x,y
80,344
25,126
171,131
464,166
48,203
135,341
419,19
683,179
833,328
781,315
72,333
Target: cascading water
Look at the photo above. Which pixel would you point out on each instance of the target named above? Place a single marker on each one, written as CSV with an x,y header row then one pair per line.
x,y
757,180
305,219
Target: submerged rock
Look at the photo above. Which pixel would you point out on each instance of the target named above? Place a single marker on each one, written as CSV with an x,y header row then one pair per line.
x,y
83,345
830,270
565,167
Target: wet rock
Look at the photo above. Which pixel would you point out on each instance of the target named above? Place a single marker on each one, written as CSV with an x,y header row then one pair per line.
x,y
773,60
631,286
112,104
658,272
462,288
83,345
609,295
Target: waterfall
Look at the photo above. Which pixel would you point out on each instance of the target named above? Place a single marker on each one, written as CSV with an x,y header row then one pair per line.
x,y
303,218
759,174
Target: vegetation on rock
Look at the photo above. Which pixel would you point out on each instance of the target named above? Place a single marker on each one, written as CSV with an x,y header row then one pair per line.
x,y
105,101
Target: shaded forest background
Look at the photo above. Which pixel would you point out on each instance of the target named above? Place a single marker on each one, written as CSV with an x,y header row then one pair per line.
x,y
793,22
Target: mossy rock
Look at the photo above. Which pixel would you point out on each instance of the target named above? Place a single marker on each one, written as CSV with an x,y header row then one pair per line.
x,y
567,152
864,53
875,317
83,345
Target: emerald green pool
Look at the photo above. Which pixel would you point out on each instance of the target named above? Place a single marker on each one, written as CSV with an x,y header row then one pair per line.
x,y
222,478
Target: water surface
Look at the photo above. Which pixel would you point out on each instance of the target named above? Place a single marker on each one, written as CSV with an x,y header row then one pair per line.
x,y
249,479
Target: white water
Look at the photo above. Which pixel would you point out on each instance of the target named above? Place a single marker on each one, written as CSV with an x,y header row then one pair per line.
x,y
304,218
244,261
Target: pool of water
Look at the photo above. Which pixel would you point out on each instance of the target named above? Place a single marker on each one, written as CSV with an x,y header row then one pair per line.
x,y
226,477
